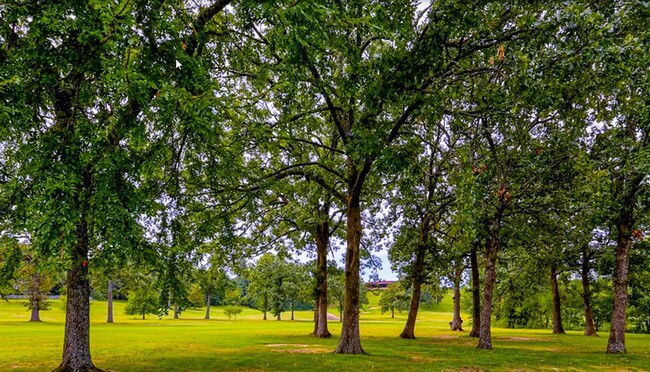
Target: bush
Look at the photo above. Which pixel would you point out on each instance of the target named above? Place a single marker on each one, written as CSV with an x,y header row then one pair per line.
x,y
232,311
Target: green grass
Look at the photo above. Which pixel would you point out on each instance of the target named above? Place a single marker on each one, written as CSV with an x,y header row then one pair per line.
x,y
248,343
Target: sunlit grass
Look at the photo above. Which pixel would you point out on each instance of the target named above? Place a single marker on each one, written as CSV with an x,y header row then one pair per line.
x,y
249,343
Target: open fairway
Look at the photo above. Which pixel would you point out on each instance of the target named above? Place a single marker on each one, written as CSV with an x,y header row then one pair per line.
x,y
249,343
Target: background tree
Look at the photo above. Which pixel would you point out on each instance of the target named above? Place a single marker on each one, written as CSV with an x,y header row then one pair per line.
x,y
394,297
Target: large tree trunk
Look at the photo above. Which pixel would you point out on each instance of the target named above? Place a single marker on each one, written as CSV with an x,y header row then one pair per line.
x,y
557,307
476,293
491,251
207,306
590,327
350,342
322,242
109,302
616,342
418,277
316,315
35,297
76,346
457,321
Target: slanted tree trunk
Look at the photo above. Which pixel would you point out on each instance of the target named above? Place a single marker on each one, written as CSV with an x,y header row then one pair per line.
x,y
590,327
457,321
207,306
35,297
176,311
557,308
476,293
76,345
616,342
109,302
350,343
418,277
491,251
322,242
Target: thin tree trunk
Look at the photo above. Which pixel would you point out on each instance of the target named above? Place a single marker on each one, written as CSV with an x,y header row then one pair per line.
x,y
590,328
292,310
278,317
350,342
143,312
176,311
207,306
266,305
35,297
557,307
491,251
322,242
109,302
476,293
457,321
418,277
616,342
76,345
316,311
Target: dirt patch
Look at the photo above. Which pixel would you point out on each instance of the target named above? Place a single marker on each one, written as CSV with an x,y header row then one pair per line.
x,y
521,339
299,348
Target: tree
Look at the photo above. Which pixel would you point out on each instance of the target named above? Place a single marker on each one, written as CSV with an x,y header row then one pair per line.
x,y
261,277
394,297
143,297
230,311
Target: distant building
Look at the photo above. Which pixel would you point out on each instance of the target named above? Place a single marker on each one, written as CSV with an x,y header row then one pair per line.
x,y
379,285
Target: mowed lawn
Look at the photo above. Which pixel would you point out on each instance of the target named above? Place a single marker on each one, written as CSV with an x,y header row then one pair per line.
x,y
249,343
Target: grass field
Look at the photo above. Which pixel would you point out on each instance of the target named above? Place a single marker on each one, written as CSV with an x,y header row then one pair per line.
x,y
248,343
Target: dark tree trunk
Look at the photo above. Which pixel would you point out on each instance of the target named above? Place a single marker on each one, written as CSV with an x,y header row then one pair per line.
x,y
557,307
109,302
476,293
176,311
418,277
457,321
590,328
207,306
616,342
76,346
292,310
491,251
143,312
266,305
35,297
278,317
392,312
322,242
350,342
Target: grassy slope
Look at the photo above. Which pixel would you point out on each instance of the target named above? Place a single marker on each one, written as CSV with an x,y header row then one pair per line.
x,y
249,343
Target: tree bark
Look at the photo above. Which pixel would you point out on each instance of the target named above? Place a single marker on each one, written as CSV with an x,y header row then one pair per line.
x,y
476,293
350,342
322,243
278,317
176,311
457,321
616,342
266,305
207,306
292,310
109,302
76,346
590,327
316,315
491,251
35,297
418,278
557,307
